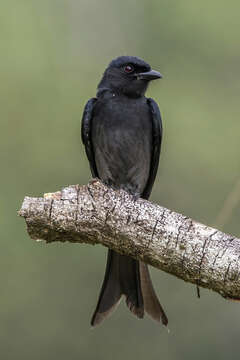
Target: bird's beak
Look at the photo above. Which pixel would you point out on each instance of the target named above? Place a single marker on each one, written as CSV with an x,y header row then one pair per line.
x,y
149,75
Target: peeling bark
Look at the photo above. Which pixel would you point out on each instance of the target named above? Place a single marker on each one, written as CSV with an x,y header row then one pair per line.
x,y
96,214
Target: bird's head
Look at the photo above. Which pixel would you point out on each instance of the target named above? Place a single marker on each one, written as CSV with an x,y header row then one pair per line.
x,y
128,75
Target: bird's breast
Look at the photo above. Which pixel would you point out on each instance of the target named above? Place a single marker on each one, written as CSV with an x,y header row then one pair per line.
x,y
122,143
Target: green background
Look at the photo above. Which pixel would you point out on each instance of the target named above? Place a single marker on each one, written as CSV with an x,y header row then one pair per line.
x,y
52,56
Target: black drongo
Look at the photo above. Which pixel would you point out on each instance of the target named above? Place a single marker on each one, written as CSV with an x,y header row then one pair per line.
x,y
122,132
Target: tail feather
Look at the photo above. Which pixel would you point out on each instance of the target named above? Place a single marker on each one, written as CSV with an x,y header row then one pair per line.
x,y
151,303
129,277
110,294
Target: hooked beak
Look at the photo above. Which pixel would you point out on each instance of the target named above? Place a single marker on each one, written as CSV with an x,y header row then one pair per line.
x,y
149,75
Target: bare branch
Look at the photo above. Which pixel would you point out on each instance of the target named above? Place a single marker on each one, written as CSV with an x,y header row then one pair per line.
x,y
96,214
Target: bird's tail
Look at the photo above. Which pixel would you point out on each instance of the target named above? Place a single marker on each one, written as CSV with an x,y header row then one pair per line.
x,y
129,277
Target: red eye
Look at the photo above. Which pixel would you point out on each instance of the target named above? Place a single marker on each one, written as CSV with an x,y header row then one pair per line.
x,y
128,68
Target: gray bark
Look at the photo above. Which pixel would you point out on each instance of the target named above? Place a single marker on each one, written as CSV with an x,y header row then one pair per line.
x,y
96,214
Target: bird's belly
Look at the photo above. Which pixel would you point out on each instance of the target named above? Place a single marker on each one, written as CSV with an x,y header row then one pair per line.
x,y
123,155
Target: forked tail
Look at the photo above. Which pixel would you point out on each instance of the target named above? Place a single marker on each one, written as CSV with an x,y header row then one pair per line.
x,y
129,277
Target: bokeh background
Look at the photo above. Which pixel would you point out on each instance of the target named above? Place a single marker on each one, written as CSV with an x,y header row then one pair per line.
x,y
52,56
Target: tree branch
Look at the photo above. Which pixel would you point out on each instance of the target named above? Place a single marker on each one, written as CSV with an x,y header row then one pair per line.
x,y
96,214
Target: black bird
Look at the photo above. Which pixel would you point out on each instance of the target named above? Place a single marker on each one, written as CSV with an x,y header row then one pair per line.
x,y
122,132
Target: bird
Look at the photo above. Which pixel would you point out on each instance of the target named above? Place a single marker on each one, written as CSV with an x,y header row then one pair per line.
x,y
122,134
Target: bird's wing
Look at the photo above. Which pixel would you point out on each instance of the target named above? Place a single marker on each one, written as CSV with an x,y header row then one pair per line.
x,y
86,134
156,146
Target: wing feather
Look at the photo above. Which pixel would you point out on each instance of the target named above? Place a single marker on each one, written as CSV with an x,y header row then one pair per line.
x,y
86,134
156,147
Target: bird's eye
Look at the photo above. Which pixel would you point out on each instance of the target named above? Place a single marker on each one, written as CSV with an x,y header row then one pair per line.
x,y
128,68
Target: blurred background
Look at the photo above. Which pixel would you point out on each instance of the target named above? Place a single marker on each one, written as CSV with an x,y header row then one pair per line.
x,y
53,54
